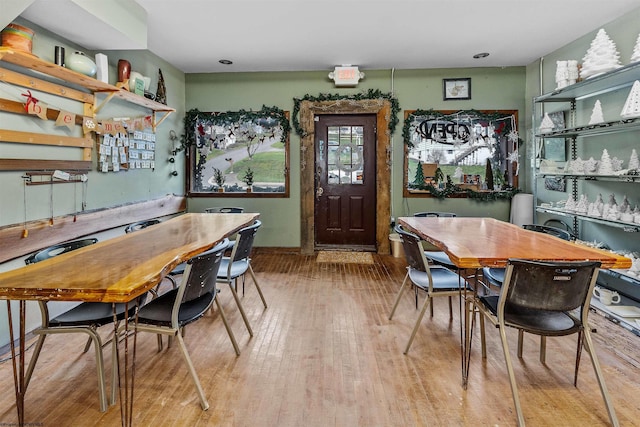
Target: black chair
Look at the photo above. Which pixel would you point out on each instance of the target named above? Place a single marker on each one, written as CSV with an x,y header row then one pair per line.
x,y
85,318
546,299
238,264
435,280
495,276
435,255
136,226
224,210
171,312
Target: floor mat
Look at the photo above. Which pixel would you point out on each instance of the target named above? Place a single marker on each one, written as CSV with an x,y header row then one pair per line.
x,y
345,257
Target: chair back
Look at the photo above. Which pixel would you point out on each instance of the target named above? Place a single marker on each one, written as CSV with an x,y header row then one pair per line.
x,y
550,286
412,248
59,249
443,214
562,234
225,210
140,225
244,242
201,273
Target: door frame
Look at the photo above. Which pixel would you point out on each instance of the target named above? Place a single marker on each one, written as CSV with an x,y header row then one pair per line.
x,y
308,110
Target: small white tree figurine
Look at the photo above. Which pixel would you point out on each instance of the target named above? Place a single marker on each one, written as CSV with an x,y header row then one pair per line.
x,y
596,114
635,56
634,163
546,125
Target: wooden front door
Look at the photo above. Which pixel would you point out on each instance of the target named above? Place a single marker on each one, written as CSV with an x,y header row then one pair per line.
x,y
345,181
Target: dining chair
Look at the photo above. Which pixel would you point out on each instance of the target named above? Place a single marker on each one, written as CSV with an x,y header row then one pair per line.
x,y
85,317
435,280
171,312
238,264
547,299
495,276
434,254
136,226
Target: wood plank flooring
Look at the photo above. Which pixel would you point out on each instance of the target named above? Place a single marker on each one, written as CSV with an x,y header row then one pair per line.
x,y
325,354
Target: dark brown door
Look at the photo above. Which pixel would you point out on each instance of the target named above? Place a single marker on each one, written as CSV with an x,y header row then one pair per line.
x,y
345,181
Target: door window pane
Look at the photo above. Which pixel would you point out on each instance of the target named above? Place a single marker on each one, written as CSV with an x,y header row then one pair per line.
x,y
345,157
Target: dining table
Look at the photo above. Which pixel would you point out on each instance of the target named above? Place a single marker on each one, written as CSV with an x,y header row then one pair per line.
x,y
476,242
116,270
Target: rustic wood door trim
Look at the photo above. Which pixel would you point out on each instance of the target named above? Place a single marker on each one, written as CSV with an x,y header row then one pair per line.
x,y
308,111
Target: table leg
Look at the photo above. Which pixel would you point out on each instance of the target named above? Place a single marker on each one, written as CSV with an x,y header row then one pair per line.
x,y
18,364
467,320
126,392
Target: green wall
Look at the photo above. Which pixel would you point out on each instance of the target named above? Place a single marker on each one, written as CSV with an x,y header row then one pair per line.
x,y
492,89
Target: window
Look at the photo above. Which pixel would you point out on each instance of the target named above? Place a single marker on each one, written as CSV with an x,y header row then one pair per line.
x,y
459,148
238,154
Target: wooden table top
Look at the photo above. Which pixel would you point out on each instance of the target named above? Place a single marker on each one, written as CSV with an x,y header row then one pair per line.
x,y
122,268
488,242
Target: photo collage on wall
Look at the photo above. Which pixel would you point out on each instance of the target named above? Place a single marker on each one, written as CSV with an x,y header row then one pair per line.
x,y
126,150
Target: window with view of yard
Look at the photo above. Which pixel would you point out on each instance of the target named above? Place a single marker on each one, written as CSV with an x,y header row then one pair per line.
x,y
239,154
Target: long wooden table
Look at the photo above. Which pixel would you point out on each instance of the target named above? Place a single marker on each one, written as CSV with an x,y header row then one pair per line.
x,y
473,243
114,271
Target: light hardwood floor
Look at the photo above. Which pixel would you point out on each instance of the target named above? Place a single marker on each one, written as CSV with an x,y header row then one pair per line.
x,y
325,354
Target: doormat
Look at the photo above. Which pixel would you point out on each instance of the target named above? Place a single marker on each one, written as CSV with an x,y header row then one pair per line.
x,y
345,257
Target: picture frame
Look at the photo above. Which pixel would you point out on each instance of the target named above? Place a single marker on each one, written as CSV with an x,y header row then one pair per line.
x,y
456,89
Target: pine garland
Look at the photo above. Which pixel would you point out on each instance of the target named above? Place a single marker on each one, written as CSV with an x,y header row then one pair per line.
x,y
451,190
370,94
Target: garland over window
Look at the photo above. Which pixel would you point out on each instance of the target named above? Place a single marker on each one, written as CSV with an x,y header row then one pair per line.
x,y
370,94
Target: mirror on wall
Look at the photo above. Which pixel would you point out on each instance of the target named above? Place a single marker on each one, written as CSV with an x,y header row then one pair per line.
x,y
466,148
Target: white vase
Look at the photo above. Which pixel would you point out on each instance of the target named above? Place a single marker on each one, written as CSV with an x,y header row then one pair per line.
x,y
81,63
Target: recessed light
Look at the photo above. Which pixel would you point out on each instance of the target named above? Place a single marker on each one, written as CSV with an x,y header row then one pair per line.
x,y
480,55
225,62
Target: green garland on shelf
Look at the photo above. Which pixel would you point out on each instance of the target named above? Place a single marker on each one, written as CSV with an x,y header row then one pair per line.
x,y
434,115
450,189
370,94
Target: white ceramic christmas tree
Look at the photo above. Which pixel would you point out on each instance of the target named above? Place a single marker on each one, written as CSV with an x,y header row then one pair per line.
x,y
634,162
631,107
601,57
596,114
546,125
582,205
605,167
635,56
570,205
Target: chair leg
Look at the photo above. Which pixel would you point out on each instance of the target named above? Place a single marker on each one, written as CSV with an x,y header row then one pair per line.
x,y
242,313
418,321
192,371
115,370
578,355
226,325
543,349
395,304
483,340
255,281
512,377
450,309
520,342
34,358
598,371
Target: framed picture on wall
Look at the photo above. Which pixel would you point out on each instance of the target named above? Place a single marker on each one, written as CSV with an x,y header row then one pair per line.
x,y
456,89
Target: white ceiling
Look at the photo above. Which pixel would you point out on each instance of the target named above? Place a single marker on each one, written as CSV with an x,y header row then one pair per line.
x,y
297,35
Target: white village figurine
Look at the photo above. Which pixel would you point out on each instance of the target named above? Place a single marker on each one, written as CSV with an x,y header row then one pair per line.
x,y
591,165
635,56
562,74
546,125
636,215
626,213
576,166
582,205
572,68
610,210
605,167
631,107
596,114
601,57
616,164
634,162
570,205
595,208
